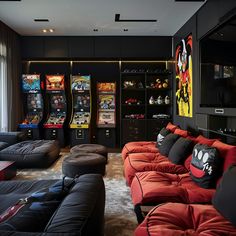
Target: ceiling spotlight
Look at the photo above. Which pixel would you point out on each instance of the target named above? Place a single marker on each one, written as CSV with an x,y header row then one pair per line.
x,y
51,30
44,31
125,30
95,30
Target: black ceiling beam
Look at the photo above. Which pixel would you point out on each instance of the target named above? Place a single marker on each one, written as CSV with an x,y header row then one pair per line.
x,y
117,19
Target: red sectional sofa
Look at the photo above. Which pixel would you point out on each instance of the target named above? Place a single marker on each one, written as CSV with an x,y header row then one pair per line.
x,y
180,219
154,179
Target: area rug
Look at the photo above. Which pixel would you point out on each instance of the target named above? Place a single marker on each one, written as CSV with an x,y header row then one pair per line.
x,y
120,219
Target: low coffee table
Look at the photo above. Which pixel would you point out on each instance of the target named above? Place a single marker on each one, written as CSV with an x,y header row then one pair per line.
x,y
7,170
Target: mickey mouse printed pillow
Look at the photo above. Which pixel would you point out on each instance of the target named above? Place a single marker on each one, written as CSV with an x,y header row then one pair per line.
x,y
205,166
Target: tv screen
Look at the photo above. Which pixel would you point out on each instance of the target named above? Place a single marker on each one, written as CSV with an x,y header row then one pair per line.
x,y
55,82
30,83
218,67
35,101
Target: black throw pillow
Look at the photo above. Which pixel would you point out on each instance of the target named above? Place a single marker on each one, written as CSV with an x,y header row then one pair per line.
x,y
205,166
167,143
181,149
160,137
224,198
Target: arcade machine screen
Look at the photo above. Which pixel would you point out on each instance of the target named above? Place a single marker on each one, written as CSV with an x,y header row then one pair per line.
x,y
35,101
106,102
55,82
30,83
58,101
82,102
80,82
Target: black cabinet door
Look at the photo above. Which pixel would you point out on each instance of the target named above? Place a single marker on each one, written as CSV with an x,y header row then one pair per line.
x,y
32,47
81,47
107,47
133,130
56,47
146,47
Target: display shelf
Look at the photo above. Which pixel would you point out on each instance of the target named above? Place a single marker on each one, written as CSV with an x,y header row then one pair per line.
x,y
156,84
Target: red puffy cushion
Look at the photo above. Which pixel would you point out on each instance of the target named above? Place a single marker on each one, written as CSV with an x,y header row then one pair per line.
x,y
181,132
157,187
138,147
228,152
139,162
203,140
171,127
176,219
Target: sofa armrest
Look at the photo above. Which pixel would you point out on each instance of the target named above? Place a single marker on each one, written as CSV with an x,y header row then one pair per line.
x,y
12,137
82,210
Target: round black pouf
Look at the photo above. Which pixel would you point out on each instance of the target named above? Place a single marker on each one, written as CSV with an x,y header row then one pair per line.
x,y
90,148
83,163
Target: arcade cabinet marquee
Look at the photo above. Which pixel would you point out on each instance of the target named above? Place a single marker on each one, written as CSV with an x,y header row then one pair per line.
x,y
33,100
81,100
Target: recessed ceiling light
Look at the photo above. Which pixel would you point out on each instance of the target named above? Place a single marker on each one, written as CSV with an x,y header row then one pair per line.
x,y
125,30
95,30
44,31
51,30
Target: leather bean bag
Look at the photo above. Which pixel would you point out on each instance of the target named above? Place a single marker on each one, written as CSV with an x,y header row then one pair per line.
x,y
139,147
140,162
184,219
32,154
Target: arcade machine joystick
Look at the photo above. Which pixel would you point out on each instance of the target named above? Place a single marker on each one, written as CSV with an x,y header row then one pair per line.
x,y
54,126
80,119
32,89
106,114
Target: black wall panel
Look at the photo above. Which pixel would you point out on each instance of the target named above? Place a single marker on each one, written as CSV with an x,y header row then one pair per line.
x,y
56,47
81,47
107,47
146,47
32,47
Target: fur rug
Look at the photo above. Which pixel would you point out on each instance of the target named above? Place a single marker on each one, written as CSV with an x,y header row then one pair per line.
x,y
120,219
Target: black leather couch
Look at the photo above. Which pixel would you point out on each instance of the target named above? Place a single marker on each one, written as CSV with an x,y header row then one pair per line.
x,y
80,212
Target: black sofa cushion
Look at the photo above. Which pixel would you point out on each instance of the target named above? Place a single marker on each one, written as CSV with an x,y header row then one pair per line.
x,y
167,143
181,149
224,198
205,166
32,154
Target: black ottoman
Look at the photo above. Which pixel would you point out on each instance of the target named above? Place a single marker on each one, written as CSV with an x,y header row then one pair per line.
x,y
83,163
90,148
32,154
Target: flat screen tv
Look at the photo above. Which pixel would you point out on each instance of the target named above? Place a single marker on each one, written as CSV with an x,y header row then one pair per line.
x,y
218,67
30,83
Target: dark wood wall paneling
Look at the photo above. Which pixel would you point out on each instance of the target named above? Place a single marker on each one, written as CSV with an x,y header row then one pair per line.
x,y
96,47
212,14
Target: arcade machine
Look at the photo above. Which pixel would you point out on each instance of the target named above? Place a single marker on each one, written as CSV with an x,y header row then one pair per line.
x,y
80,120
32,89
106,114
54,125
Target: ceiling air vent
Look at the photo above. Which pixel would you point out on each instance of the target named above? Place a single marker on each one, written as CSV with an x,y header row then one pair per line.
x,y
41,20
117,19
